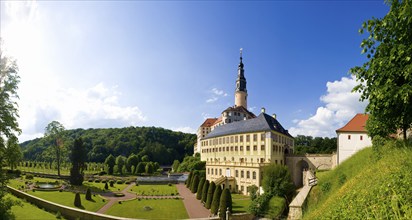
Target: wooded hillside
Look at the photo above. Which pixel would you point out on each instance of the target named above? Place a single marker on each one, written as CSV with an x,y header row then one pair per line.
x,y
161,145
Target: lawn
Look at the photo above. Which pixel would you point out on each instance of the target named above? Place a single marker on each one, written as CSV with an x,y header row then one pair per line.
x,y
99,187
29,211
67,199
18,182
240,203
154,190
150,209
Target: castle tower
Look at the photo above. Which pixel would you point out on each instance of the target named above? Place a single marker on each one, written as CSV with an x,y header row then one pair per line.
x,y
241,92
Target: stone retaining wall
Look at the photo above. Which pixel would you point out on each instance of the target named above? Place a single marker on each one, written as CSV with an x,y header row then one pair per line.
x,y
68,212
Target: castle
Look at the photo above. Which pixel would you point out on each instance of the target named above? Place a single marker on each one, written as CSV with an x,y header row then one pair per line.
x,y
238,145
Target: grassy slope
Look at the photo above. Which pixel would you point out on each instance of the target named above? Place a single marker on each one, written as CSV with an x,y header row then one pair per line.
x,y
29,211
365,187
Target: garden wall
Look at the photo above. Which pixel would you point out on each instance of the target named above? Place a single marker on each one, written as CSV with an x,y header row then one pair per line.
x,y
67,212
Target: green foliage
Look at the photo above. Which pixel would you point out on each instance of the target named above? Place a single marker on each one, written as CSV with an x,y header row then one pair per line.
x,y
386,77
132,161
210,192
277,181
253,189
77,157
89,194
190,163
175,165
77,200
317,145
216,200
54,132
160,145
200,189
149,168
195,183
120,162
225,203
106,187
372,190
325,187
141,168
342,178
259,205
189,179
8,124
276,206
12,153
205,188
110,162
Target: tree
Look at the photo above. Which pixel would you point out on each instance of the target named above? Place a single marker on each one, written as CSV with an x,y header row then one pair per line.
x,y
204,191
386,78
225,203
216,200
54,132
189,179
145,158
120,162
13,154
110,162
253,189
200,189
77,200
132,160
149,168
89,194
277,181
194,184
9,126
140,167
210,192
175,165
78,159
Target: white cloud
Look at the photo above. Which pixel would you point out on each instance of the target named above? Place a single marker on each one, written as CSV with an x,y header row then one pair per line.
x,y
216,95
185,129
96,107
340,106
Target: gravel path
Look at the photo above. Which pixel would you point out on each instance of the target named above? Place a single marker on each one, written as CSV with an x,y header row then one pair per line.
x,y
112,199
194,207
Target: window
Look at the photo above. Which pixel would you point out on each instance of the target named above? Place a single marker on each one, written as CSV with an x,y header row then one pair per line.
x,y
248,174
348,137
208,170
242,188
262,147
236,139
247,138
254,175
216,171
242,174
237,173
247,148
231,139
241,148
212,171
224,140
361,137
220,171
276,161
231,148
241,138
227,148
254,137
262,137
235,148
255,148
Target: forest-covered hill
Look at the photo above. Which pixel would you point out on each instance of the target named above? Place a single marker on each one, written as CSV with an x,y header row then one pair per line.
x,y
161,145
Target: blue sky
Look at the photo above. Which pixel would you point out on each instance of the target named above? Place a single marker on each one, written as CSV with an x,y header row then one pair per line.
x,y
171,64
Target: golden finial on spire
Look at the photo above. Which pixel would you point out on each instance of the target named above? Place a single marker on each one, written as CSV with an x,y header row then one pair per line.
x,y
241,49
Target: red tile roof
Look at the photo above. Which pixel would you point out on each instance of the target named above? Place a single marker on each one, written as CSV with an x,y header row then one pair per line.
x,y
208,122
357,123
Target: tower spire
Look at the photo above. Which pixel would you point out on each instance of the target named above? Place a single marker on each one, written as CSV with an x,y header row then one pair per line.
x,y
241,92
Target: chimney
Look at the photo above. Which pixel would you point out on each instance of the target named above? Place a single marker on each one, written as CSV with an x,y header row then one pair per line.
x,y
262,110
274,115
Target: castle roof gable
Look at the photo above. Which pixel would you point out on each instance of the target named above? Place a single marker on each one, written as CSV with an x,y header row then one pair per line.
x,y
356,124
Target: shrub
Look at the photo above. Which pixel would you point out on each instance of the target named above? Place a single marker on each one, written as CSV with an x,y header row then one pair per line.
x,y
58,215
97,180
210,192
216,200
111,183
119,182
225,203
77,200
325,187
102,173
195,183
189,179
29,176
104,181
88,194
199,189
169,184
106,186
204,191
342,178
90,180
277,181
